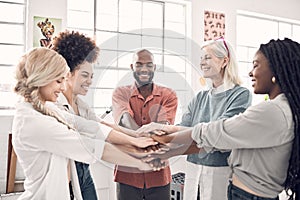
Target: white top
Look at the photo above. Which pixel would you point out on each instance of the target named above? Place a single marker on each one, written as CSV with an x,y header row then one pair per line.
x,y
44,146
84,111
222,88
261,141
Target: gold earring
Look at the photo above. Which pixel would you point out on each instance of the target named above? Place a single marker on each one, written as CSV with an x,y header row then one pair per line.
x,y
202,81
273,80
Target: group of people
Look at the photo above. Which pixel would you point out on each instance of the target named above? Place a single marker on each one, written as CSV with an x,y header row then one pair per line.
x,y
235,150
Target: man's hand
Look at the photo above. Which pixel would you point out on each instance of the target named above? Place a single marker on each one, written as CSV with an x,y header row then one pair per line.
x,y
158,164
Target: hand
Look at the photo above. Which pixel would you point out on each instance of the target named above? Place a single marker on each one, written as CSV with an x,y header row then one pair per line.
x,y
158,164
157,148
163,139
139,152
149,134
173,150
143,142
157,128
145,167
155,165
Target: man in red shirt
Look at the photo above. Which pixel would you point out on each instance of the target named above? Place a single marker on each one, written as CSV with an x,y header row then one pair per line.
x,y
136,105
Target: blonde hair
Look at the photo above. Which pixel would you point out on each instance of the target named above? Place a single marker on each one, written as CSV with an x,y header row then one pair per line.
x,y
37,68
221,49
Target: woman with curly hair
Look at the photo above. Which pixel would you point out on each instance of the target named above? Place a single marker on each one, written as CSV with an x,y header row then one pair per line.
x,y
81,53
43,139
265,139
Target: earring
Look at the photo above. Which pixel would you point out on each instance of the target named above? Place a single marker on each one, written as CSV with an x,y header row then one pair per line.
x,y
273,80
202,81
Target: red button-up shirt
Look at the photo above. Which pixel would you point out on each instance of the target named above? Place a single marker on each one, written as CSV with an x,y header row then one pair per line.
x,y
160,106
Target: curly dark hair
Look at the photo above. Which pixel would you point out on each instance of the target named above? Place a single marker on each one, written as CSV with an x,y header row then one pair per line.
x,y
284,59
76,48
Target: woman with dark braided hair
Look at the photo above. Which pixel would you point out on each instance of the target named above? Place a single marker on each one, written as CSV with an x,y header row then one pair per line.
x,y
284,60
264,140
43,139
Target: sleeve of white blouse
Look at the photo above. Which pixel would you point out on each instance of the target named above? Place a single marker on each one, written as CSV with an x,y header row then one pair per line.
x,y
51,136
89,128
261,126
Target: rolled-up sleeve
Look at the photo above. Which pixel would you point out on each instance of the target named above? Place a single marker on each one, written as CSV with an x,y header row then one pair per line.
x,y
168,108
120,102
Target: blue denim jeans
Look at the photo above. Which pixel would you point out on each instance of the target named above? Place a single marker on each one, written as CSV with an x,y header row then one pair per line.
x,y
235,193
86,183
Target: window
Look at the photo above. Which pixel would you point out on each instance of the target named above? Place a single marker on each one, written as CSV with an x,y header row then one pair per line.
x,y
248,41
12,20
123,26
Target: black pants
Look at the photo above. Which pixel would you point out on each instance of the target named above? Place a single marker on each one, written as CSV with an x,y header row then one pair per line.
x,y
71,191
127,192
235,193
297,197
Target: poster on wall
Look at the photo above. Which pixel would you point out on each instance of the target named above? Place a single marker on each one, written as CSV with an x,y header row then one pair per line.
x,y
44,30
214,25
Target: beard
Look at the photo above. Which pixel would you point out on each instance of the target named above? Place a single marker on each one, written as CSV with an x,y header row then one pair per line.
x,y
140,82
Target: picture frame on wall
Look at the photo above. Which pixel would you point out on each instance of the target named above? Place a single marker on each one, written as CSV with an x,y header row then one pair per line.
x,y
44,30
214,25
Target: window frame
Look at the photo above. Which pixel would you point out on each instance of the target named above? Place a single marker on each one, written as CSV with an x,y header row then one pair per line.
x,y
6,88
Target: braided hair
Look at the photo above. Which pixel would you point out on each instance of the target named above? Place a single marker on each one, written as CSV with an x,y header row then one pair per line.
x,y
37,68
284,60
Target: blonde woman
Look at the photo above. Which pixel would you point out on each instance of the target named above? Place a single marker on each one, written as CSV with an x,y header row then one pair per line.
x,y
225,98
43,140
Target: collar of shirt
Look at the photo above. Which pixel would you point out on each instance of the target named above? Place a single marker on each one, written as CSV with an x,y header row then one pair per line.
x,y
155,91
221,88
62,100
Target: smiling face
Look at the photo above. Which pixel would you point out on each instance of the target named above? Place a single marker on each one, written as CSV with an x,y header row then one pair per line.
x,y
212,66
81,79
51,91
261,76
143,68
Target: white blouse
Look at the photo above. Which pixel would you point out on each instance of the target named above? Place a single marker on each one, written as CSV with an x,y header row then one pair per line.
x,y
44,147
